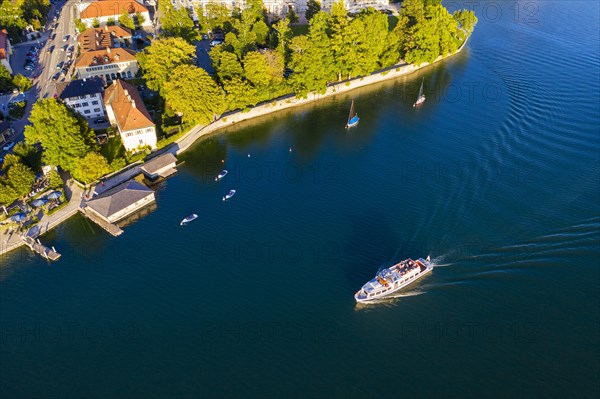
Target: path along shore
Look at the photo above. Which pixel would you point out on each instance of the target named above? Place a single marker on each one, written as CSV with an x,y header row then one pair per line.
x,y
182,144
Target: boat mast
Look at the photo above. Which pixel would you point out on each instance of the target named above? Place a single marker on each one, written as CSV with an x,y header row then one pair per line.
x,y
351,111
421,89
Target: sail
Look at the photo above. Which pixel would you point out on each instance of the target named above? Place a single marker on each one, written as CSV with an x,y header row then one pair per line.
x,y
351,111
421,89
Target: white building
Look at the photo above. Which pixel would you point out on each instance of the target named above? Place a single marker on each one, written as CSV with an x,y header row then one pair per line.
x,y
104,10
85,96
108,63
5,50
126,111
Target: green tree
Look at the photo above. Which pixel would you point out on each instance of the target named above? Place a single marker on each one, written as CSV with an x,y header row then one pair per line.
x,y
64,135
9,161
139,19
226,64
466,19
193,93
312,7
29,154
126,21
216,15
8,195
56,181
284,34
256,69
312,58
5,78
292,16
96,23
110,22
21,179
80,25
159,59
176,22
240,93
90,168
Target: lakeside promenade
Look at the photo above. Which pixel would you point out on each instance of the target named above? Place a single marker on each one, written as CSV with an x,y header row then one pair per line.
x,y
9,242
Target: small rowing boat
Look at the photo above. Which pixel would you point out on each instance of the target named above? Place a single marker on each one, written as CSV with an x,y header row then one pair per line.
x,y
230,194
188,219
221,175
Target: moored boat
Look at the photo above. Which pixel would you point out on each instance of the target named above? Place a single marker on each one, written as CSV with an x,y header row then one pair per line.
x,y
394,278
230,194
221,175
352,117
188,219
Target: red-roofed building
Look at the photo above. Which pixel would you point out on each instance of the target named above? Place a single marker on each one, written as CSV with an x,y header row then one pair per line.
x,y
5,50
106,9
126,111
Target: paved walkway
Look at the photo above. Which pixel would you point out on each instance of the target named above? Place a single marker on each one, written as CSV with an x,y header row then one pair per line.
x,y
9,242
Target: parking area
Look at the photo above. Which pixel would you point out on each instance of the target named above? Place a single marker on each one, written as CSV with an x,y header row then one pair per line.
x,y
25,54
202,57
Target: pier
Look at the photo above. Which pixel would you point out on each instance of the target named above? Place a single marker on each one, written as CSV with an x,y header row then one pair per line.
x,y
37,246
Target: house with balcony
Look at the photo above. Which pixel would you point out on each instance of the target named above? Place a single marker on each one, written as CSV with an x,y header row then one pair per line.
x,y
95,39
126,111
84,96
108,64
104,10
5,50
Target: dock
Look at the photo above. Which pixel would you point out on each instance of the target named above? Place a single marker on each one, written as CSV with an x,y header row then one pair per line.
x,y
37,246
111,228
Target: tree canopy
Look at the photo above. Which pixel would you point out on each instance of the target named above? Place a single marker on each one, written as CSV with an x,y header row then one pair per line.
x,y
126,21
176,22
193,93
64,135
161,58
312,7
90,168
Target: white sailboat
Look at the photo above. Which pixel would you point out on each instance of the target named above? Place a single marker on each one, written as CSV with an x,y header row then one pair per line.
x,y
421,98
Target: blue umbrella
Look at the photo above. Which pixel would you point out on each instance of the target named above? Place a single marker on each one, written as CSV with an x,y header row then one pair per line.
x,y
39,202
55,195
18,217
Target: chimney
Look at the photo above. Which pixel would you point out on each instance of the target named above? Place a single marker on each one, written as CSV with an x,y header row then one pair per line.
x,y
126,93
117,56
106,27
108,49
133,103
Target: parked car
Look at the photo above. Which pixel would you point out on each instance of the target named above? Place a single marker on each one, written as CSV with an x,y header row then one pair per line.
x,y
215,43
59,65
100,120
8,146
65,38
29,67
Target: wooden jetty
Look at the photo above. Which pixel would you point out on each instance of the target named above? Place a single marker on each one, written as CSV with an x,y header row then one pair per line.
x,y
37,246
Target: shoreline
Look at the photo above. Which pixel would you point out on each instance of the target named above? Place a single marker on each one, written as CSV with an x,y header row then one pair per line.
x,y
290,101
226,120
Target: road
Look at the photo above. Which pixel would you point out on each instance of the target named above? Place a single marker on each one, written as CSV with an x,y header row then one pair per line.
x,y
43,86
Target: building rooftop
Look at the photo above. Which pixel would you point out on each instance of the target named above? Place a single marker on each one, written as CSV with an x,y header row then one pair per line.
x,y
118,198
100,38
158,163
104,57
3,43
80,87
127,105
111,8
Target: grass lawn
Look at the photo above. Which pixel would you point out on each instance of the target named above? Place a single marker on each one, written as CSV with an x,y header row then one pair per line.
x,y
298,30
392,22
113,149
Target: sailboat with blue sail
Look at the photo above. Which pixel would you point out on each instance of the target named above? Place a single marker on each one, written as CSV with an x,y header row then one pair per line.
x,y
353,117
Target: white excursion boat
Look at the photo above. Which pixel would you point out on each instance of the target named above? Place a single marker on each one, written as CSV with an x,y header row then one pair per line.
x,y
230,194
394,278
221,175
188,219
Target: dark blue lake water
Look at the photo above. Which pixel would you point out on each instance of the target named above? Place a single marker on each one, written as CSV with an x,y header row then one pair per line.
x,y
496,177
